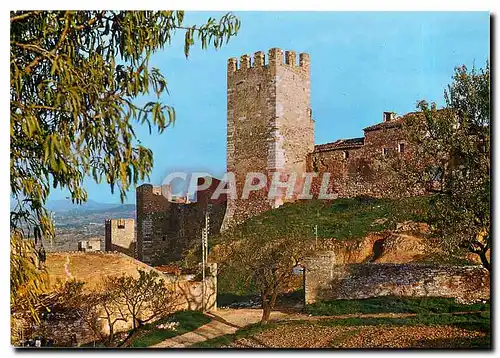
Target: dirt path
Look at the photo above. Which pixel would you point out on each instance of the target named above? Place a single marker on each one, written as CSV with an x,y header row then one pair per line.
x,y
224,321
228,321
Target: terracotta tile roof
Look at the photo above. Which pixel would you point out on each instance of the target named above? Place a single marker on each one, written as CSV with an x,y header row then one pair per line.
x,y
389,124
340,144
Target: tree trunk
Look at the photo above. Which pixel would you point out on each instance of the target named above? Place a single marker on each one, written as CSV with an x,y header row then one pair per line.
x,y
111,334
266,312
484,260
273,299
267,306
266,309
479,249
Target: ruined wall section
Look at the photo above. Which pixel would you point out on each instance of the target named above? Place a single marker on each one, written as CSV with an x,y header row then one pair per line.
x,y
333,161
325,280
153,215
120,236
94,267
182,231
167,230
266,105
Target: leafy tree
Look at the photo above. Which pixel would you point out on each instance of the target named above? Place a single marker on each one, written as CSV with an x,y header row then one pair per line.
x,y
74,78
265,263
27,281
146,297
450,158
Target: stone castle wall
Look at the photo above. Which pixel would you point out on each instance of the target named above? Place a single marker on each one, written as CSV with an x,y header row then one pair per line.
x,y
269,130
269,124
356,165
325,280
119,235
152,221
166,230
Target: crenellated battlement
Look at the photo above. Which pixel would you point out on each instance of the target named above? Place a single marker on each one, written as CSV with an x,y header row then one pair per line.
x,y
275,57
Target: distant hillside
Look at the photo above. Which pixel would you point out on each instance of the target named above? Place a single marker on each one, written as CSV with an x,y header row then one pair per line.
x,y
85,222
75,218
66,205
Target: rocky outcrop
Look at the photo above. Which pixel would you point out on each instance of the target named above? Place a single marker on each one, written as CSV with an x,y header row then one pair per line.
x,y
387,264
407,243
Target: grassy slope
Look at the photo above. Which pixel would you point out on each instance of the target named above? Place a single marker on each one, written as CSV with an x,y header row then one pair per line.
x,y
341,219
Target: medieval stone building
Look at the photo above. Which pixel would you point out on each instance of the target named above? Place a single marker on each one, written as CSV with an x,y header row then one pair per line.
x,y
270,130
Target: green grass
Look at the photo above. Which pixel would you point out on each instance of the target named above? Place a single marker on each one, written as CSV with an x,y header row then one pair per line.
x,y
341,218
387,304
150,335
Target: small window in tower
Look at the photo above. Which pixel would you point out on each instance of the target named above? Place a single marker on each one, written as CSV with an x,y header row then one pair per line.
x,y
259,87
164,237
401,148
121,224
345,154
385,151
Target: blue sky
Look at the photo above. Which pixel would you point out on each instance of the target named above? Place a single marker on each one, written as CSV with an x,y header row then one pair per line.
x,y
362,64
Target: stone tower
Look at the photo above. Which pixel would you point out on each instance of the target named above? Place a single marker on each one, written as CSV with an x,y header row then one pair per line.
x,y
119,235
269,125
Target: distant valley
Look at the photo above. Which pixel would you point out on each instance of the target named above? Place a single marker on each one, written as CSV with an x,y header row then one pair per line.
x,y
79,222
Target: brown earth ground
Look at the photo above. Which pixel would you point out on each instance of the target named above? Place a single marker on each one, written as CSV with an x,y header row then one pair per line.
x,y
314,336
291,334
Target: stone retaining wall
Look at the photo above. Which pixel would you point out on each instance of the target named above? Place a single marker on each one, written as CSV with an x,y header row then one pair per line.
x,y
324,280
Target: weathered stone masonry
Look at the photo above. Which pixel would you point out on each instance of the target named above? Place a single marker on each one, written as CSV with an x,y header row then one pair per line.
x,y
91,268
355,163
326,280
269,124
120,236
269,130
166,229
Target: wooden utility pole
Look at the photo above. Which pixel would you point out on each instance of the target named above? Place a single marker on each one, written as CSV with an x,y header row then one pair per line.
x,y
204,254
316,234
